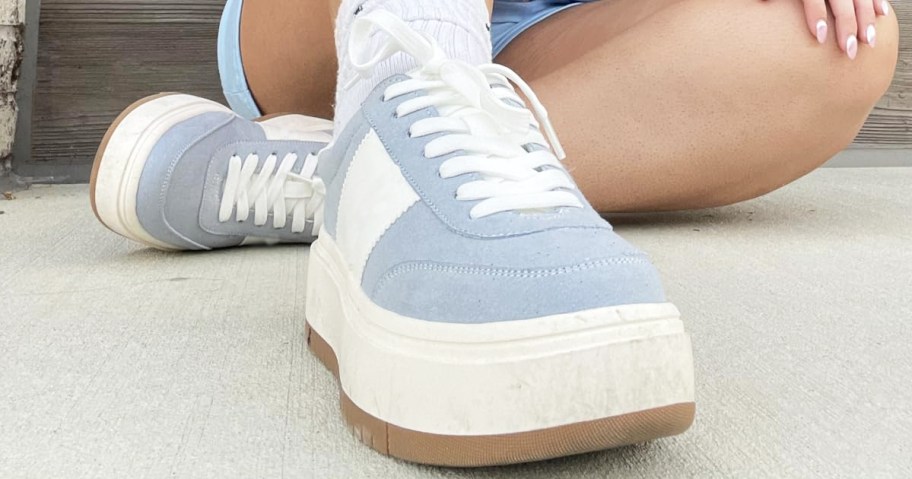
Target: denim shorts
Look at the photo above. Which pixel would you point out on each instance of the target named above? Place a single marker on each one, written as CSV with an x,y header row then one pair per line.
x,y
512,17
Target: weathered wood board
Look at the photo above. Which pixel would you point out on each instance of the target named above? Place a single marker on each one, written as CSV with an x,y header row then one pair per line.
x,y
890,126
96,57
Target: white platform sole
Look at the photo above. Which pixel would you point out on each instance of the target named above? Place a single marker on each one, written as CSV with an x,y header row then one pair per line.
x,y
498,379
132,136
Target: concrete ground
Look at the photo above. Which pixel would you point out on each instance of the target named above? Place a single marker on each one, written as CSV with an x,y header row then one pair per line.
x,y
121,361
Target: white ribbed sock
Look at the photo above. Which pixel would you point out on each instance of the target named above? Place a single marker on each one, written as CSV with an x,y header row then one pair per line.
x,y
459,26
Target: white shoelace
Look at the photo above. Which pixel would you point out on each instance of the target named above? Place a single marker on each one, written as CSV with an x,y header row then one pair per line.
x,y
274,189
478,117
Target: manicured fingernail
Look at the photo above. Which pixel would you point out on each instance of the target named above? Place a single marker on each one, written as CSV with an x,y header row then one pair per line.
x,y
885,7
852,47
822,31
871,35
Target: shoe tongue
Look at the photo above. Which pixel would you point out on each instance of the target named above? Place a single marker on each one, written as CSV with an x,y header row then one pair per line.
x,y
481,125
484,113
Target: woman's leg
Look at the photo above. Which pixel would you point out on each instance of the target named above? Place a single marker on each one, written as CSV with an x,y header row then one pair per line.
x,y
289,55
673,104
661,104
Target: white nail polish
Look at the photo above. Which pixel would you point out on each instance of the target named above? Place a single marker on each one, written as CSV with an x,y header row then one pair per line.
x,y
886,7
871,35
822,31
852,47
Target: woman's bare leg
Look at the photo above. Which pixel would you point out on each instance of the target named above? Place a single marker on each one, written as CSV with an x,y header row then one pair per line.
x,y
289,55
662,104
674,104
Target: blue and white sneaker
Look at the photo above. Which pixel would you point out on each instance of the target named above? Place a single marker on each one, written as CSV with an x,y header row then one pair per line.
x,y
177,172
475,308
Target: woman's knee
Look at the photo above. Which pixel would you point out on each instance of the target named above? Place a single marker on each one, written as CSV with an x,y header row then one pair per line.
x,y
846,88
869,77
804,102
822,95
843,92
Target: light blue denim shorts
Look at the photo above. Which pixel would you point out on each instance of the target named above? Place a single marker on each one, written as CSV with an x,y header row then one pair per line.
x,y
512,17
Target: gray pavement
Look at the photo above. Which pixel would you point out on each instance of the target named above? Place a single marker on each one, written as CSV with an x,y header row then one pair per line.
x,y
120,361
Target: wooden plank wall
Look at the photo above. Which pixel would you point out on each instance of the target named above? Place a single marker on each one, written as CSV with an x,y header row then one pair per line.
x,y
890,126
98,56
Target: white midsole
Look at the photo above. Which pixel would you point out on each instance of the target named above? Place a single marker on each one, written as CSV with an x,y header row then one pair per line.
x,y
133,140
496,378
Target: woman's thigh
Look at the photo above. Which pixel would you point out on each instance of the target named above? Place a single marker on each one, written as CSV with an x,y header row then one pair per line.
x,y
668,104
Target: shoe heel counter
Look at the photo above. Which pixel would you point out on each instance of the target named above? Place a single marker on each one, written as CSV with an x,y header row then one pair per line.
x,y
170,186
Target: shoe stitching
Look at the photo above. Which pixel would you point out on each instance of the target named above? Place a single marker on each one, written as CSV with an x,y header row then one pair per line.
x,y
511,273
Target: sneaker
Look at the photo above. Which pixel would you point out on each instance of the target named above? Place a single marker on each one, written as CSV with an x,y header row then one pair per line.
x,y
177,172
476,310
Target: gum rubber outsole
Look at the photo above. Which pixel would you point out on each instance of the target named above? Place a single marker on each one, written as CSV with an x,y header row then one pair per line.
x,y
504,449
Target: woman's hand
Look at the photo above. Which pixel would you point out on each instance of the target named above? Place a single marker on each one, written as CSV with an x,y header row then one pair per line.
x,y
854,21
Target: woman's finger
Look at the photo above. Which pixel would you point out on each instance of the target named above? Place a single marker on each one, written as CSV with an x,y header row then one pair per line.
x,y
882,7
816,13
864,13
846,26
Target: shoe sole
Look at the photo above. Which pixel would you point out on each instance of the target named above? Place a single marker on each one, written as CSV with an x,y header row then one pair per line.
x,y
130,139
503,393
